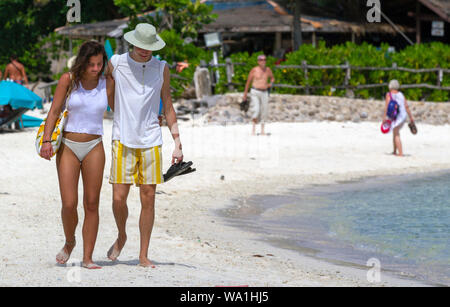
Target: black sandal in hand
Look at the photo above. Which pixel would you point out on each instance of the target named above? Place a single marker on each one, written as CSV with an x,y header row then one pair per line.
x,y
412,127
178,169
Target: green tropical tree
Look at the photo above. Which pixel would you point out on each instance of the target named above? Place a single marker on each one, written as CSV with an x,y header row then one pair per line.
x,y
185,17
27,29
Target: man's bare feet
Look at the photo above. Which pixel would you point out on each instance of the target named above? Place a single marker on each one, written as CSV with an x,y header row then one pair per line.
x,y
64,254
116,248
144,262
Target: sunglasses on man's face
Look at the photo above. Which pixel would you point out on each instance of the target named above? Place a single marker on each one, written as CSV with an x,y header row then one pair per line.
x,y
262,60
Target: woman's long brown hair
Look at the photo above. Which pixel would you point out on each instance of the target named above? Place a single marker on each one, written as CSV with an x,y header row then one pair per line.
x,y
87,50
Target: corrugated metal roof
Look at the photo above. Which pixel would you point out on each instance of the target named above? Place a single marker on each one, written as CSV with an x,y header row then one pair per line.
x,y
255,16
109,28
103,28
268,18
440,7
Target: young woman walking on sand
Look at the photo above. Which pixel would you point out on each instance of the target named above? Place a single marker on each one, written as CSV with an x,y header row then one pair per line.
x,y
82,149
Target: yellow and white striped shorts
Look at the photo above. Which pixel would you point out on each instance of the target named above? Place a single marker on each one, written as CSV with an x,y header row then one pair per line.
x,y
136,165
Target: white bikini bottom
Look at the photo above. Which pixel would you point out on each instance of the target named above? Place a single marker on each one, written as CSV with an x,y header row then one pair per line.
x,y
81,149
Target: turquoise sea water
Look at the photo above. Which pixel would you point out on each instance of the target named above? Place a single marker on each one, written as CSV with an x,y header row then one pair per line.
x,y
403,221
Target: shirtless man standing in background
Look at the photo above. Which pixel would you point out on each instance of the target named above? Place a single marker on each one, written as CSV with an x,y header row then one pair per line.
x,y
16,71
259,94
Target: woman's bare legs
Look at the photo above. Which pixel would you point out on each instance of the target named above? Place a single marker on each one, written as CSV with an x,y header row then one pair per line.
x,y
120,210
92,168
68,167
397,142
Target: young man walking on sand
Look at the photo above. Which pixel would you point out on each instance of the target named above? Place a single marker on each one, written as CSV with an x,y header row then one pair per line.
x,y
136,82
259,94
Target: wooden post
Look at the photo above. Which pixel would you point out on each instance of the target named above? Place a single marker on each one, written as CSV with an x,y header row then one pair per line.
x,y
230,71
394,66
305,69
125,45
314,39
118,46
278,39
297,26
440,76
418,32
212,78
348,75
48,94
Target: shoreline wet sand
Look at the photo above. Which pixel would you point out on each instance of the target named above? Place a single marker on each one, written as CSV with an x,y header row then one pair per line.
x,y
295,221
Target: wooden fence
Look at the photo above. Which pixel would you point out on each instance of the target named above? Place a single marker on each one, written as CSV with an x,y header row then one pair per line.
x,y
229,65
229,68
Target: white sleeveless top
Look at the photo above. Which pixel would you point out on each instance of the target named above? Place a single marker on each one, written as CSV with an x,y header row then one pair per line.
x,y
401,117
86,108
136,101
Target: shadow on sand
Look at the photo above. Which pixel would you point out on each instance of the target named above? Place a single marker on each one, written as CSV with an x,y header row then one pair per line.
x,y
134,262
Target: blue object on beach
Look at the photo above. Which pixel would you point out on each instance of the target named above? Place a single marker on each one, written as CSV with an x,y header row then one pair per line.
x,y
30,121
109,54
393,108
18,96
108,49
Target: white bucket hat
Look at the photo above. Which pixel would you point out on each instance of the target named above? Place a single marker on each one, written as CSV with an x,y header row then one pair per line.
x,y
144,36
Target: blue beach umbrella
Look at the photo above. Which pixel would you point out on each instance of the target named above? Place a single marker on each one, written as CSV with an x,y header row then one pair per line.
x,y
18,96
108,49
109,53
30,121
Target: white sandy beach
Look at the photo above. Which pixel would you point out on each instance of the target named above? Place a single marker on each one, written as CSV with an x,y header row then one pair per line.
x,y
190,245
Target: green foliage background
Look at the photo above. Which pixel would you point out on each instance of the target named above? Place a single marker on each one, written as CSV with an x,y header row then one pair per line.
x,y
185,17
27,30
177,50
430,55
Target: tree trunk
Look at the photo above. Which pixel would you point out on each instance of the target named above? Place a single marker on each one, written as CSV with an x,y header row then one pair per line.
x,y
297,35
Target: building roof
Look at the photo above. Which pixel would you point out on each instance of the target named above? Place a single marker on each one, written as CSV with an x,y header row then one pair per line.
x,y
268,16
440,7
110,28
259,16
